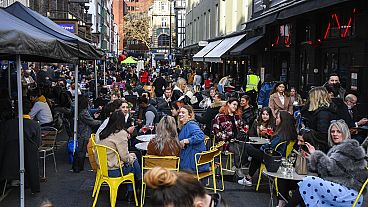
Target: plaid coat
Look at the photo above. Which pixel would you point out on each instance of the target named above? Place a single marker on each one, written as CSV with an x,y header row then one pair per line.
x,y
223,127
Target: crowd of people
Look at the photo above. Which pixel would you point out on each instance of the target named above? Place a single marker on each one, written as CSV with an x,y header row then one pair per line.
x,y
165,100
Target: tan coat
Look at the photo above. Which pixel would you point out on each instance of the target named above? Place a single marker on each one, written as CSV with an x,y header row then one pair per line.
x,y
276,105
119,142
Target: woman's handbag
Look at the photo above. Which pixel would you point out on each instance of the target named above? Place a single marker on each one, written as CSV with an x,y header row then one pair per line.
x,y
272,160
301,167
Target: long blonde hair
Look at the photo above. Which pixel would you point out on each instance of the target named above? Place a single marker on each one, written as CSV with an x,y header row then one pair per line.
x,y
166,134
318,97
190,112
180,83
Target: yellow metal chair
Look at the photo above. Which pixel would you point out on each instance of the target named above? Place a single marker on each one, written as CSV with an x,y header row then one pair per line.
x,y
289,148
208,157
113,182
206,139
148,162
92,161
360,192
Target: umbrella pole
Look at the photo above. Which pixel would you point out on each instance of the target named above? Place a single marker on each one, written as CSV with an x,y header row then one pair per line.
x,y
21,135
104,71
9,80
96,82
75,137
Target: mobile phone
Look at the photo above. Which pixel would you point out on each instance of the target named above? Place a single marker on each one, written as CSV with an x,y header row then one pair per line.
x,y
304,148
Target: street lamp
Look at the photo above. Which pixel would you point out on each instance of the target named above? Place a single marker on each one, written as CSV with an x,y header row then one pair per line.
x,y
170,46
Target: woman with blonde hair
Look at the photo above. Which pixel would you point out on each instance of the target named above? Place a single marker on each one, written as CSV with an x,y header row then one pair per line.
x,y
166,142
191,139
317,114
179,89
178,189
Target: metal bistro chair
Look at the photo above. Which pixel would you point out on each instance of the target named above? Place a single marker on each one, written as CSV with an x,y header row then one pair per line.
x,y
113,182
208,157
48,136
150,161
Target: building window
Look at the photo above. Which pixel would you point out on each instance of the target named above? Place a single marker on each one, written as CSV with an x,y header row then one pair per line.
x,y
283,36
163,40
164,22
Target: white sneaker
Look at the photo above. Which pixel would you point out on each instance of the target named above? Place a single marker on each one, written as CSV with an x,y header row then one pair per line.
x,y
245,182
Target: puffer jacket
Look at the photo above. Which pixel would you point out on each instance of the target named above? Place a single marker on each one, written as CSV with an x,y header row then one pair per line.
x,y
344,164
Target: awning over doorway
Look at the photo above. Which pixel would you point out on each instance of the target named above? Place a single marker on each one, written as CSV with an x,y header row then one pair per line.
x,y
239,49
225,45
200,55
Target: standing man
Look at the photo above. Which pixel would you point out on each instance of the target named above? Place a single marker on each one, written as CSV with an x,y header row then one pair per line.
x,y
252,86
159,84
334,80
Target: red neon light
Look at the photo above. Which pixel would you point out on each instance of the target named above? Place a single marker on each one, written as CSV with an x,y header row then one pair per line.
x,y
347,28
327,31
337,21
344,33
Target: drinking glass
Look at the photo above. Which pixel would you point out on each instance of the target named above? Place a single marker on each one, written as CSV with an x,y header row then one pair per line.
x,y
284,165
151,127
144,129
292,158
290,170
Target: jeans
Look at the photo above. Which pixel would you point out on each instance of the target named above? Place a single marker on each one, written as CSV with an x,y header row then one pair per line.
x,y
134,168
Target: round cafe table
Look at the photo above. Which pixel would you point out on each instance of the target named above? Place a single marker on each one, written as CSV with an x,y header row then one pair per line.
x,y
146,137
273,176
142,146
258,141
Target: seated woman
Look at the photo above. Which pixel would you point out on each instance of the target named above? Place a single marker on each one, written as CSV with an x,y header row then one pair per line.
x,y
265,120
178,189
228,125
191,139
342,171
115,136
285,185
166,142
285,131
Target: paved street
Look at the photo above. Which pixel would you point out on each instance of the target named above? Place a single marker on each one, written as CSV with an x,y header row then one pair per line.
x,y
66,188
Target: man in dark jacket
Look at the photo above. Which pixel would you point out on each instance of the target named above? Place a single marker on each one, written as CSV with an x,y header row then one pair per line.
x,y
210,114
159,84
164,102
9,149
147,113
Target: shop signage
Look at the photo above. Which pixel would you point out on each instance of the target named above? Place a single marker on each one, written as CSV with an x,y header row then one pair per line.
x,y
68,26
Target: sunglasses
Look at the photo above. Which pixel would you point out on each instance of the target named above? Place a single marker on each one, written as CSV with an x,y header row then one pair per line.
x,y
337,121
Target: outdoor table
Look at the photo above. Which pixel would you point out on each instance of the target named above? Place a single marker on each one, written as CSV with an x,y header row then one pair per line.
x,y
258,141
146,137
279,175
142,146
